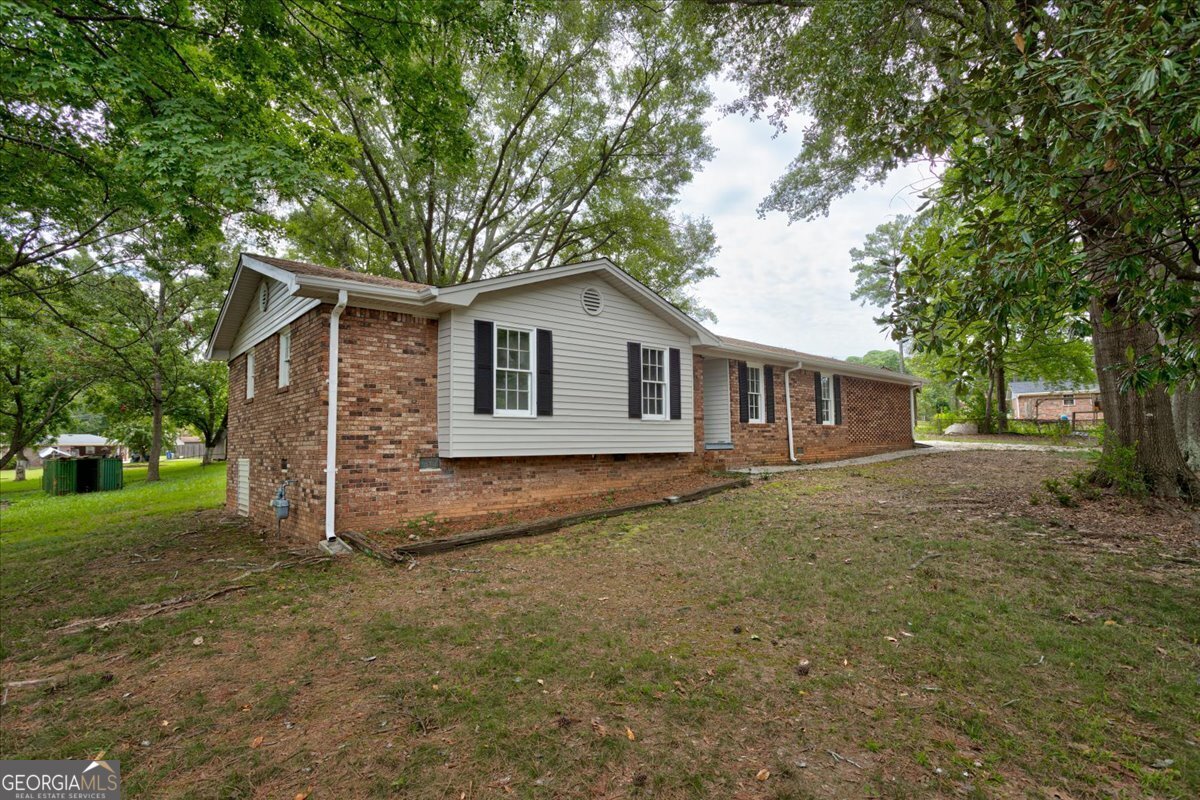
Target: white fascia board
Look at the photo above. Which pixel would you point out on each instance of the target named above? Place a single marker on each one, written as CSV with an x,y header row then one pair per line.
x,y
722,350
288,279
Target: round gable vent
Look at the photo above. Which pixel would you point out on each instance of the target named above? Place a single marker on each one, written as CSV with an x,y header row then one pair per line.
x,y
593,301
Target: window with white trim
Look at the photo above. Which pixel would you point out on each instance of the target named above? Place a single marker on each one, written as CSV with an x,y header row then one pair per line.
x,y
754,393
514,372
1068,400
826,399
249,374
654,383
285,357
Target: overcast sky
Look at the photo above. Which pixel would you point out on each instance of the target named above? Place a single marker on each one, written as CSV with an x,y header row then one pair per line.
x,y
780,284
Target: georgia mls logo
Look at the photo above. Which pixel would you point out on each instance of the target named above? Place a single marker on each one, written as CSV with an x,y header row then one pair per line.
x,y
94,779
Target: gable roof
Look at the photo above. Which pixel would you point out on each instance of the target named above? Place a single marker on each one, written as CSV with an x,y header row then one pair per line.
x,y
376,291
1051,387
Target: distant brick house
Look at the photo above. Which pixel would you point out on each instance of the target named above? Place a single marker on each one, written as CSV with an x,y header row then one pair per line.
x,y
1038,400
483,397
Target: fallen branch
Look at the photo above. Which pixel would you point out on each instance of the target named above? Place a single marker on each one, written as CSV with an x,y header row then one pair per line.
x,y
924,558
170,606
54,680
837,758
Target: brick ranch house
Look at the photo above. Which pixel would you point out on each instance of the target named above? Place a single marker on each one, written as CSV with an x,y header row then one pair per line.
x,y
1038,400
466,400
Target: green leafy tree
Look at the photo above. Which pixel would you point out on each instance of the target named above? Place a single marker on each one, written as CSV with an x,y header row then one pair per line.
x,y
1078,119
884,359
579,150
144,323
41,374
202,403
877,266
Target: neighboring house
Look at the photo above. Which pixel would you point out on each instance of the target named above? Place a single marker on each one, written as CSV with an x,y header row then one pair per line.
x,y
191,446
1039,400
382,400
72,445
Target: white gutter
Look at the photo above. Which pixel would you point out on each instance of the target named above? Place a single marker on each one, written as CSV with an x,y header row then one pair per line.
x,y
787,394
331,424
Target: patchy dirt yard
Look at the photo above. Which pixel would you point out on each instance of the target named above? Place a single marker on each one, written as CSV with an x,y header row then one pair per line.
x,y
938,626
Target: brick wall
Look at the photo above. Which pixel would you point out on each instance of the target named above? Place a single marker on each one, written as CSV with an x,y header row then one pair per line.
x,y
1052,407
282,430
388,422
876,418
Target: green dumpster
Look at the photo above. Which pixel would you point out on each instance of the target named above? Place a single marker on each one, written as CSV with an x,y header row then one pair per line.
x,y
81,475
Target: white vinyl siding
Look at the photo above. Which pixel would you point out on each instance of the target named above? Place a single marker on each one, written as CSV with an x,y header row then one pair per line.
x,y
754,393
591,374
285,357
513,377
717,407
827,400
250,367
654,383
258,325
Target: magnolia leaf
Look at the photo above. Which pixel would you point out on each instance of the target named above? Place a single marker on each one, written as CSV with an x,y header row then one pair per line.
x,y
1019,40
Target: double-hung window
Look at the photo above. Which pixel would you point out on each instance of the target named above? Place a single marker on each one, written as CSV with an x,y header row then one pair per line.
x,y
249,374
827,400
514,372
1068,400
654,383
754,393
285,357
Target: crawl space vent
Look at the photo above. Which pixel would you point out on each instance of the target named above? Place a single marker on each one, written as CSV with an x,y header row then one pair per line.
x,y
593,301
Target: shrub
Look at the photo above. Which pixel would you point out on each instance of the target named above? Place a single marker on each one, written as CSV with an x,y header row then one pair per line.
x,y
1059,493
1116,466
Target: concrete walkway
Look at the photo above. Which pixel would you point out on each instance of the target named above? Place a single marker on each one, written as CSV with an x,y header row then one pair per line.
x,y
1040,448
923,448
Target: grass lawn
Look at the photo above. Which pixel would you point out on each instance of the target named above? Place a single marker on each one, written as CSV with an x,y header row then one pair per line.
x,y
962,640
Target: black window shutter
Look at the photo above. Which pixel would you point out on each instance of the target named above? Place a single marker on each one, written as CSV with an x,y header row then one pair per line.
x,y
635,380
837,399
545,373
769,388
743,393
817,397
484,355
675,378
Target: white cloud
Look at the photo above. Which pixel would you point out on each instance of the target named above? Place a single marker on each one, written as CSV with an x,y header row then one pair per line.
x,y
780,284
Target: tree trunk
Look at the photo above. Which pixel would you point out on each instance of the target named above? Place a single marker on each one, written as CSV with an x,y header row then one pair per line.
x,y
986,424
156,430
20,471
1001,386
1185,406
12,452
1143,421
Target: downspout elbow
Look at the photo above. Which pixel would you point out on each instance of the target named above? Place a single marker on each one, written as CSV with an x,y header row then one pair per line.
x,y
787,396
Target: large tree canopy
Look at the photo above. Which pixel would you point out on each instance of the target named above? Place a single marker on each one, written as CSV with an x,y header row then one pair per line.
x,y
579,149
1072,134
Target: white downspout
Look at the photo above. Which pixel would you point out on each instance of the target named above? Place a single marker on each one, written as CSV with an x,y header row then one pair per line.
x,y
912,402
787,394
331,424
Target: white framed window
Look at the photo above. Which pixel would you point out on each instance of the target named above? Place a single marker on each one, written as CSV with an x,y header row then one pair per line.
x,y
826,399
285,357
754,393
655,401
1068,400
514,375
249,374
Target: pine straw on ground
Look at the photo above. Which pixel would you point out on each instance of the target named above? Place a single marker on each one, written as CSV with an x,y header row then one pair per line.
x,y
960,640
